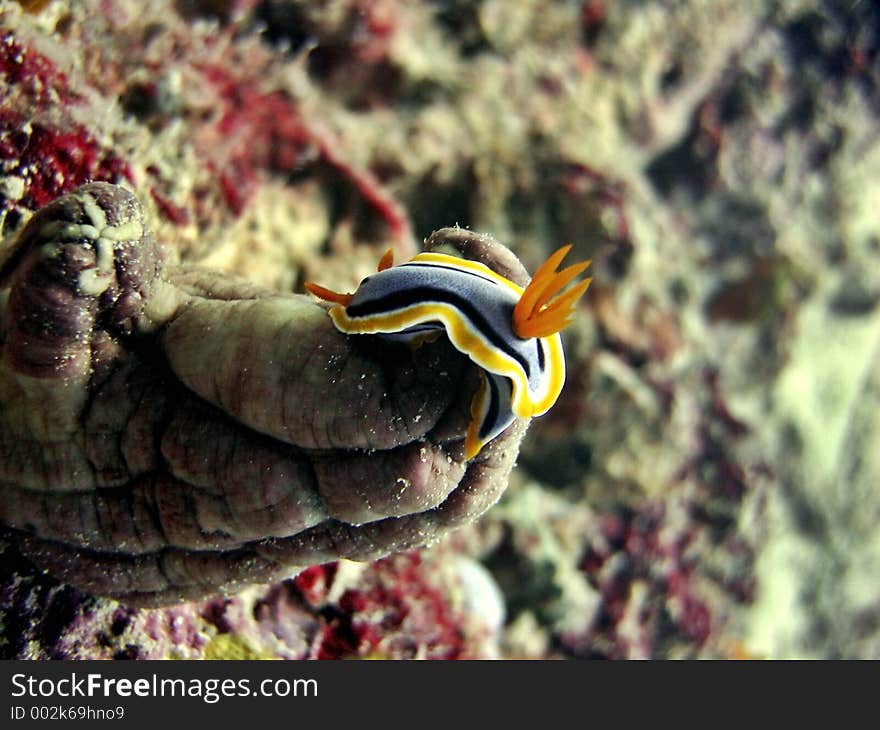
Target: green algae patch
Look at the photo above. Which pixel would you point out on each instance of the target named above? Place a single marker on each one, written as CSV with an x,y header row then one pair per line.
x,y
229,646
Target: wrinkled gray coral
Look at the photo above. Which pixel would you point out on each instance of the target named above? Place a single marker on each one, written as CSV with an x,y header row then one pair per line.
x,y
169,434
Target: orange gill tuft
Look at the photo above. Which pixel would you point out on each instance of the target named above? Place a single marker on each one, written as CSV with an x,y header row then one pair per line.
x,y
544,309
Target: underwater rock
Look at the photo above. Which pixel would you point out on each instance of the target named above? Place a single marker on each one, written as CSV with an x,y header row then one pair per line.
x,y
706,484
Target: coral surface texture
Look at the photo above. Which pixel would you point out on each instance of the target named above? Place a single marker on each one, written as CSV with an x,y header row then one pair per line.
x,y
195,463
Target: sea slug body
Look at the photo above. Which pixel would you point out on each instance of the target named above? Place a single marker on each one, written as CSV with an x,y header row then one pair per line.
x,y
510,332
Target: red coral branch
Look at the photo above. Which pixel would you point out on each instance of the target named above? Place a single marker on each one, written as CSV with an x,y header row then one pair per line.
x,y
267,131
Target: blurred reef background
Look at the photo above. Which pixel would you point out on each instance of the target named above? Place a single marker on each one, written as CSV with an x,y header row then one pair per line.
x,y
708,484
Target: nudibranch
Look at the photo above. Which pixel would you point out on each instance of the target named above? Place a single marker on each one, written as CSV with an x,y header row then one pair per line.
x,y
510,332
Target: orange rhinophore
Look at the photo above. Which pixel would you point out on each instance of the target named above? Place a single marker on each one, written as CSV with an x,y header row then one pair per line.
x,y
328,295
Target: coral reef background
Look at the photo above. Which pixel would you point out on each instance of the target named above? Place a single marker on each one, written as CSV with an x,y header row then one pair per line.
x,y
709,483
